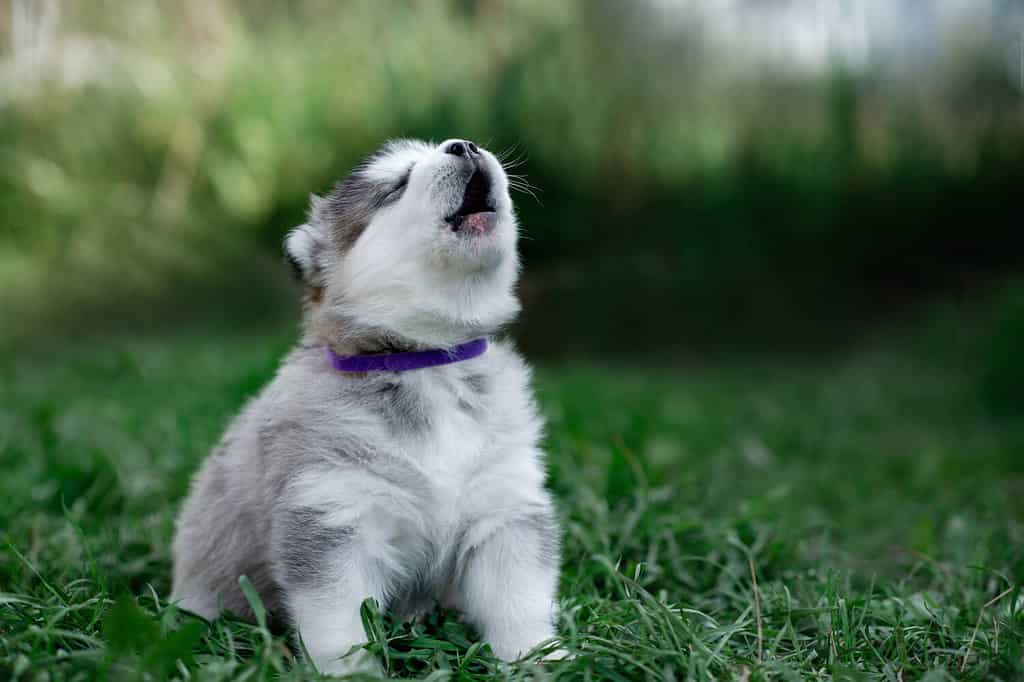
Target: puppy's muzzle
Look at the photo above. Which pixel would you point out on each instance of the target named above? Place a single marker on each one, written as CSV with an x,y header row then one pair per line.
x,y
476,213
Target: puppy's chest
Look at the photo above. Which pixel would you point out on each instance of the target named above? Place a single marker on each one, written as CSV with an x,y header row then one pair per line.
x,y
443,455
439,430
440,427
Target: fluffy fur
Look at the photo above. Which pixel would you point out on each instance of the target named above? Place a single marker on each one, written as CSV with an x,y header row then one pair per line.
x,y
412,488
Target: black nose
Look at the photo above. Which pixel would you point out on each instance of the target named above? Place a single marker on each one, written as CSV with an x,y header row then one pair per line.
x,y
462,148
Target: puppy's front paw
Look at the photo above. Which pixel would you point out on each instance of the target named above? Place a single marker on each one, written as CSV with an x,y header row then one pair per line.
x,y
513,646
558,655
358,662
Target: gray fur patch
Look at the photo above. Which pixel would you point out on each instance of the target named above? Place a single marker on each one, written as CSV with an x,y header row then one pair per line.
x,y
418,592
477,383
543,526
402,408
350,206
306,546
471,394
218,481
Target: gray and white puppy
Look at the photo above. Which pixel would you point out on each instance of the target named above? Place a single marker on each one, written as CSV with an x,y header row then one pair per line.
x,y
414,488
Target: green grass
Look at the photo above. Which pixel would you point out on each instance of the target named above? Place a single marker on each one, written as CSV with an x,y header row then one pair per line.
x,y
880,508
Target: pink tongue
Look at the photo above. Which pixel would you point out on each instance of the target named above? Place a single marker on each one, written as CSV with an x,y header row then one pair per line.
x,y
478,222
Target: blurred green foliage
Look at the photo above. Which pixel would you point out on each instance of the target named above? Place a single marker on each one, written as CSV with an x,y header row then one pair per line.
x,y
1001,371
685,201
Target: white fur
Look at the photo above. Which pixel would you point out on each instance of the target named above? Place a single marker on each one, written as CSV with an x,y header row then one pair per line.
x,y
414,489
301,243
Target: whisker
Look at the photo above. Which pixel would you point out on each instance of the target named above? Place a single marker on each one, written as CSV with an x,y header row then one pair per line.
x,y
519,159
527,190
513,157
508,151
523,184
519,177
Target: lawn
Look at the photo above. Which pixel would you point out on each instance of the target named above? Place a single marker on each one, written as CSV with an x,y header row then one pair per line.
x,y
860,516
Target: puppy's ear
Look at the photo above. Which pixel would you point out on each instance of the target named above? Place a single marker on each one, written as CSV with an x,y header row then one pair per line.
x,y
305,247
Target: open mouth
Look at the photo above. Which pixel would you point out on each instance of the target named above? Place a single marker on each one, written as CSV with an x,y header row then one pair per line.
x,y
476,212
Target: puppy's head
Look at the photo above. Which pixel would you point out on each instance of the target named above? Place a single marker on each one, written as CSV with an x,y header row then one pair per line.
x,y
417,245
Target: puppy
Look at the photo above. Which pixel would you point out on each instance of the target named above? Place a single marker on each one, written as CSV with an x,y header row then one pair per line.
x,y
395,453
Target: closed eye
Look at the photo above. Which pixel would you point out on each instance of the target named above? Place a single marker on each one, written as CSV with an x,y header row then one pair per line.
x,y
395,193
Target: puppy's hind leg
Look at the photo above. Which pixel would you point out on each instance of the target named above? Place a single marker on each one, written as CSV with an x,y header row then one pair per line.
x,y
201,602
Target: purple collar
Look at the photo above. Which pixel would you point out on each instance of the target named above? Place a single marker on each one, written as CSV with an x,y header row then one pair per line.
x,y
403,362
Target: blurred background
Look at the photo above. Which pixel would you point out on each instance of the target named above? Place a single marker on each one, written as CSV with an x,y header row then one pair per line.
x,y
744,175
